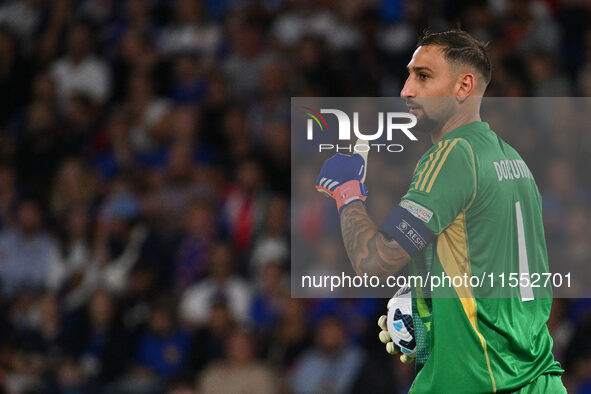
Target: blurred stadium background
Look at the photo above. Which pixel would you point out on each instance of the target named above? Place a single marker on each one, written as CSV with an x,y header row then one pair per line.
x,y
144,185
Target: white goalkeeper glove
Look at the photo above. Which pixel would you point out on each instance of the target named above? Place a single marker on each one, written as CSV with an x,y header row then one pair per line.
x,y
391,348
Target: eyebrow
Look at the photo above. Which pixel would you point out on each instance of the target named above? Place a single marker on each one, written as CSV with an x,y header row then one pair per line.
x,y
419,68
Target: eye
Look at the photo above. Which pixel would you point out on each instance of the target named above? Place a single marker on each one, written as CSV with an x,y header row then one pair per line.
x,y
423,76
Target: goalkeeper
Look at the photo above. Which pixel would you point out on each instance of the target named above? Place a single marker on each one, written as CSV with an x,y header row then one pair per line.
x,y
458,217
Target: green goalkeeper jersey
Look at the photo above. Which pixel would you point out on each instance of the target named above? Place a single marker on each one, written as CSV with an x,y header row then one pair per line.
x,y
479,199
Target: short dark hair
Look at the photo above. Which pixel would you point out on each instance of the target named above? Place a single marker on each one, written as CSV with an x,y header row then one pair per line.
x,y
461,47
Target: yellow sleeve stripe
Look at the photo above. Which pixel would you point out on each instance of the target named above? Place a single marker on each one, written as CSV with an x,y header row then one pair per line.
x,y
447,151
433,163
427,165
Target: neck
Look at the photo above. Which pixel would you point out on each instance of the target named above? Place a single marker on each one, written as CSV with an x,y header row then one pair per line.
x,y
454,122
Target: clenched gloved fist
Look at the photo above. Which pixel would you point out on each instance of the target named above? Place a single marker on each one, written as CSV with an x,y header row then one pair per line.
x,y
341,178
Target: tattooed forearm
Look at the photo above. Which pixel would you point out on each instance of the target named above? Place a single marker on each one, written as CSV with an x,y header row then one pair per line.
x,y
369,250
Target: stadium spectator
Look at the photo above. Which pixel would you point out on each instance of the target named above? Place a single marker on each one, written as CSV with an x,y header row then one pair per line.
x,y
272,288
26,252
81,72
22,16
290,336
165,348
190,32
71,265
239,371
245,65
97,337
331,365
210,340
220,285
195,244
189,85
74,186
148,114
244,205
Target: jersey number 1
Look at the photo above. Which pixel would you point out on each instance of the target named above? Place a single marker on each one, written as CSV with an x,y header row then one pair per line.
x,y
527,293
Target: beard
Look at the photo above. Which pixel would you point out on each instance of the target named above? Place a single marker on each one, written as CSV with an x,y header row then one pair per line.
x,y
432,121
425,124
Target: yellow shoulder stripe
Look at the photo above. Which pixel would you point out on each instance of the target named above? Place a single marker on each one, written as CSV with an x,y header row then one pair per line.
x,y
430,164
447,151
427,164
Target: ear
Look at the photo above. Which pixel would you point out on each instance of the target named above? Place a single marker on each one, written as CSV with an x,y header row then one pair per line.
x,y
466,84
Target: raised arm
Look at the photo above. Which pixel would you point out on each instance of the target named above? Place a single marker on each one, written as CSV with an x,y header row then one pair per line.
x,y
370,251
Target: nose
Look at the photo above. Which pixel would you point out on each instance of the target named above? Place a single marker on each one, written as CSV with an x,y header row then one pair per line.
x,y
408,90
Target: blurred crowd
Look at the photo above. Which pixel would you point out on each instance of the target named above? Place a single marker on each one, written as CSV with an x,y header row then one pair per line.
x,y
145,180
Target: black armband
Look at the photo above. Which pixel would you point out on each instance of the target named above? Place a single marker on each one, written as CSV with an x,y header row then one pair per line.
x,y
408,230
